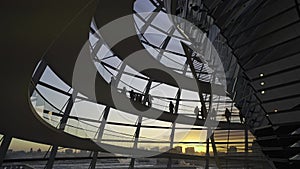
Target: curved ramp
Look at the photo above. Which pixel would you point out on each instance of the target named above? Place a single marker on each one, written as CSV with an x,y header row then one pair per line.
x,y
106,13
100,91
24,52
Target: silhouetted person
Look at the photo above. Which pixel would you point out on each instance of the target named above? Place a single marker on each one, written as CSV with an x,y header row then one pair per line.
x,y
139,97
148,100
132,95
171,107
203,113
227,115
241,117
124,91
196,111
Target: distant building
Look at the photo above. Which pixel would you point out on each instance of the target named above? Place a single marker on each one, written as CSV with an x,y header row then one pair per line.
x,y
190,150
178,149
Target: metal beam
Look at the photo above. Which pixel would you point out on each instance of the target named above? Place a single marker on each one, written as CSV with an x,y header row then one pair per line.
x,y
190,62
259,23
4,147
39,71
172,136
188,53
165,43
281,98
151,18
100,135
51,159
136,139
61,126
280,86
252,55
139,124
276,73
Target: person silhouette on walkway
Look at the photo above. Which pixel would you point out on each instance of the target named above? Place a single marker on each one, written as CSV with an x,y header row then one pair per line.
x,y
241,117
203,113
171,107
196,111
148,100
227,115
139,97
124,91
132,95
